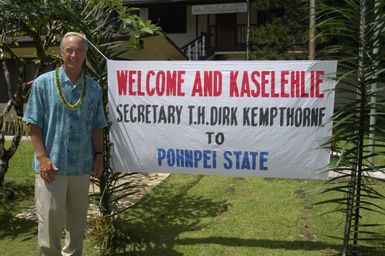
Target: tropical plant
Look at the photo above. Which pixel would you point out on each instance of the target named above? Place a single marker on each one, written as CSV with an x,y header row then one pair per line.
x,y
111,29
21,18
282,32
351,31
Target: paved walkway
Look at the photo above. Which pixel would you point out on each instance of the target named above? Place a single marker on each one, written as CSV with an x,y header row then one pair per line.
x,y
143,182
378,175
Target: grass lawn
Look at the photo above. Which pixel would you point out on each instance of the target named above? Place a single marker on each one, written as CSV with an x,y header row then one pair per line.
x,y
196,215
202,215
18,236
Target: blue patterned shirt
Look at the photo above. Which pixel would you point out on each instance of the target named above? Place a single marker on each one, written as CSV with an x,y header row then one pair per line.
x,y
67,134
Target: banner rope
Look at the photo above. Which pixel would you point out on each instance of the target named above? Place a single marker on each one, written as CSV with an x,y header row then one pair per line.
x,y
97,49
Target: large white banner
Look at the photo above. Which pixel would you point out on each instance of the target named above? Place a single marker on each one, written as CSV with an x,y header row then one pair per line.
x,y
239,118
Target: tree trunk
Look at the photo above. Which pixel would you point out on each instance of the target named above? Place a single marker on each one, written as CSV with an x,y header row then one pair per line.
x,y
6,154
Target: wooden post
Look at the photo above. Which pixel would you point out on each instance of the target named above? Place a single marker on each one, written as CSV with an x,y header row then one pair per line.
x,y
248,30
312,30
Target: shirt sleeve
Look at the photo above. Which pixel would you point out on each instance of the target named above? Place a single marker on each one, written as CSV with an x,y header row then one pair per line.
x,y
34,111
100,118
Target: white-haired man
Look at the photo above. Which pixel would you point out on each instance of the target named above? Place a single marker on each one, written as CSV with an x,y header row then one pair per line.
x,y
66,118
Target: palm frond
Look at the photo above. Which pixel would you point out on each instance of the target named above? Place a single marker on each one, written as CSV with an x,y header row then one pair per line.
x,y
351,31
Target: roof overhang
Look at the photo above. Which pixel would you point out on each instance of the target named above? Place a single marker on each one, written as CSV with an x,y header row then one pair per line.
x,y
153,47
148,3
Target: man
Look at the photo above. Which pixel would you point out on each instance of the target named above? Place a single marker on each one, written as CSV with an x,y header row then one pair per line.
x,y
66,118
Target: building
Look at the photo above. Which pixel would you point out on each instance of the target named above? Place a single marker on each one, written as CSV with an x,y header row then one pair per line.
x,y
214,29
194,30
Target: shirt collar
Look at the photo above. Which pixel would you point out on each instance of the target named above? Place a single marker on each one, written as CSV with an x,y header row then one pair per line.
x,y
65,79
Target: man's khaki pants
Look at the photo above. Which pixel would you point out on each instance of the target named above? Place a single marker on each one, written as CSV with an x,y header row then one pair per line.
x,y
61,203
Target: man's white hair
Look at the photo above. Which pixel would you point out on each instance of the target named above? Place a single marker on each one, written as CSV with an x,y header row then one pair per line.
x,y
80,35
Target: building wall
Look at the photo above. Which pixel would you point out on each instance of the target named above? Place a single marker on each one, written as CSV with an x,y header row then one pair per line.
x,y
181,39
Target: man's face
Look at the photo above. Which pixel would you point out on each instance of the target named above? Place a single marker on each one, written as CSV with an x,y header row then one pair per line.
x,y
73,53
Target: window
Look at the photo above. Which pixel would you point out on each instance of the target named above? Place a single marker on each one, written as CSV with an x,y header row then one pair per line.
x,y
172,19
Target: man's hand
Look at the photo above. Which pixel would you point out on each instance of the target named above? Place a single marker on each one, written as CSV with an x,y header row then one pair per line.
x,y
47,169
98,168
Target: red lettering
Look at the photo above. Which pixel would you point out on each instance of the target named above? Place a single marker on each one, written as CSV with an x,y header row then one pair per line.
x,y
233,84
217,83
257,90
139,83
174,83
127,80
284,82
130,81
274,94
150,91
160,86
197,87
180,83
295,83
122,81
264,82
318,82
245,88
164,83
171,83
212,83
208,83
304,94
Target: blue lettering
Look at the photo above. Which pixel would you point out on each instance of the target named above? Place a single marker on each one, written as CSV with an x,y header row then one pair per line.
x,y
237,159
254,160
206,158
161,155
228,164
197,157
245,161
263,161
170,157
179,158
188,158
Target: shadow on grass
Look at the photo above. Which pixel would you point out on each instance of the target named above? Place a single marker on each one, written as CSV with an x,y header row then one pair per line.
x,y
10,225
153,227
